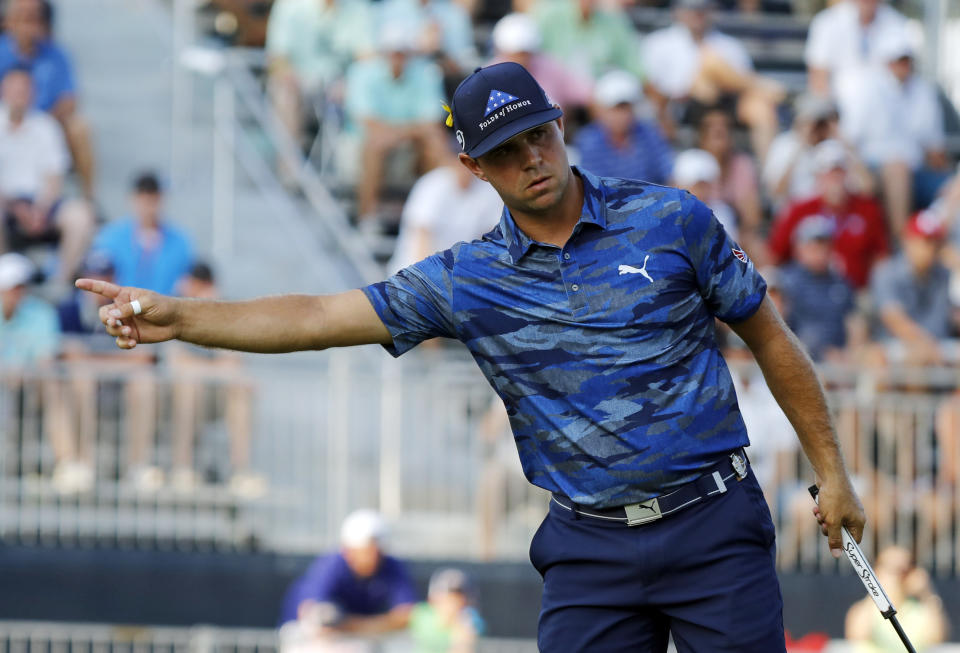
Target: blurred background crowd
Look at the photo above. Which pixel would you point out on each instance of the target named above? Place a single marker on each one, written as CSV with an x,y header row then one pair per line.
x,y
301,145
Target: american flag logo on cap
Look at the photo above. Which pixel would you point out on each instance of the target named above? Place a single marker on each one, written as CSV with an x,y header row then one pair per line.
x,y
497,99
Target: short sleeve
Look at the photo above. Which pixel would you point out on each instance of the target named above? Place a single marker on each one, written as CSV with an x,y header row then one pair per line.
x,y
728,281
883,287
818,50
403,591
415,304
56,156
279,38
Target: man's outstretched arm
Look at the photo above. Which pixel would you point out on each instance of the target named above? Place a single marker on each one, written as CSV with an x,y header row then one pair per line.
x,y
792,380
265,325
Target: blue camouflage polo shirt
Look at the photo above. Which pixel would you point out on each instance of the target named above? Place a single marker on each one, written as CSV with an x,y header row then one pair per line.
x,y
604,351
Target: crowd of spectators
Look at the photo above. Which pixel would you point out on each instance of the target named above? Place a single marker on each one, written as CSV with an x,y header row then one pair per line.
x,y
50,234
858,152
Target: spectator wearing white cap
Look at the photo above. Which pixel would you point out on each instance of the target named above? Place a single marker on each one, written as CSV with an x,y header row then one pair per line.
x,y
360,591
516,38
789,173
391,101
691,64
29,329
860,232
895,120
619,143
698,172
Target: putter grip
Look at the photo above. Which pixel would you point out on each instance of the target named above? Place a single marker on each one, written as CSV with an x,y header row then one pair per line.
x,y
861,567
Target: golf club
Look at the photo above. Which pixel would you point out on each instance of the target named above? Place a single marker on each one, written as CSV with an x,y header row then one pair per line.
x,y
863,569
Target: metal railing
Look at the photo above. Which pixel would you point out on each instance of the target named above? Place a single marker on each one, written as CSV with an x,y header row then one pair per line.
x,y
425,440
59,637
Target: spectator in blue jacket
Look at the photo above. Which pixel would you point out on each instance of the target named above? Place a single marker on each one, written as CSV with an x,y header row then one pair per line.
x,y
146,250
619,143
359,591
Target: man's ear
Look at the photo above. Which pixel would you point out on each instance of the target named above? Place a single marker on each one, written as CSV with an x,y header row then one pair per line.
x,y
560,122
471,164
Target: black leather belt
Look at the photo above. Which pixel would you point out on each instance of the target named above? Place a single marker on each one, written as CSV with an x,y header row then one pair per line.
x,y
713,481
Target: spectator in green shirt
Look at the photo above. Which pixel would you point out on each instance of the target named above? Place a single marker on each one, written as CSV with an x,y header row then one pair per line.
x,y
589,38
309,45
446,622
391,101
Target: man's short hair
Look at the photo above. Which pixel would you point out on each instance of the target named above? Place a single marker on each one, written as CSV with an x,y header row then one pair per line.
x,y
147,183
202,271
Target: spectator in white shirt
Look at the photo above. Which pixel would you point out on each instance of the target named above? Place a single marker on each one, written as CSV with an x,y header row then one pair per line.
x,y
844,40
429,222
691,61
790,171
33,162
896,121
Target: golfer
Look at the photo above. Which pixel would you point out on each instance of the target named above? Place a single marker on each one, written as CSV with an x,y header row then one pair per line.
x,y
590,308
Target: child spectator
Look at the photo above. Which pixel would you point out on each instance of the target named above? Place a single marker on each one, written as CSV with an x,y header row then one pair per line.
x,y
919,609
692,61
28,43
516,38
817,300
447,622
619,143
911,294
359,591
860,234
146,250
392,100
33,162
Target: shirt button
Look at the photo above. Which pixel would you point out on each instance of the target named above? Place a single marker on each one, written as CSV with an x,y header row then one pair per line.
x,y
574,287
566,256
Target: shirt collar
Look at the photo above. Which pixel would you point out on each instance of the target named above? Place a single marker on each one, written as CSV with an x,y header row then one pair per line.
x,y
594,212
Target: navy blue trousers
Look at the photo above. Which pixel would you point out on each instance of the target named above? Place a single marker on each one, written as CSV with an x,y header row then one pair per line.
x,y
705,574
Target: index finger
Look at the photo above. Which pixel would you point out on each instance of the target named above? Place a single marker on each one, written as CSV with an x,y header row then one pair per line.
x,y
105,288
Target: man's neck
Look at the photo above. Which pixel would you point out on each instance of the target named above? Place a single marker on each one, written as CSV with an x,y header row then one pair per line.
x,y
554,225
17,116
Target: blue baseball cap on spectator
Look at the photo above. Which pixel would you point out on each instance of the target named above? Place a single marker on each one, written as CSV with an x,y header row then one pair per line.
x,y
496,103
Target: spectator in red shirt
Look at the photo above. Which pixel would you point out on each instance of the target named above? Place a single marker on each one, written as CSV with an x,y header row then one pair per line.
x,y
860,238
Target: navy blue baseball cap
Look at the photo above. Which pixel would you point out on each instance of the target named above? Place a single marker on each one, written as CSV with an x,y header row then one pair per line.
x,y
496,103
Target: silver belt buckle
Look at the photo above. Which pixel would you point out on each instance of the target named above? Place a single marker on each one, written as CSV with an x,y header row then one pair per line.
x,y
643,512
739,464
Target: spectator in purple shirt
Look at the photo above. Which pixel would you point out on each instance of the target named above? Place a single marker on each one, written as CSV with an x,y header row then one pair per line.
x,y
28,43
619,143
358,591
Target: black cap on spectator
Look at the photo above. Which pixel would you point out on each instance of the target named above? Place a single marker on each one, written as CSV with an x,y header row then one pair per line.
x,y
147,183
202,271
